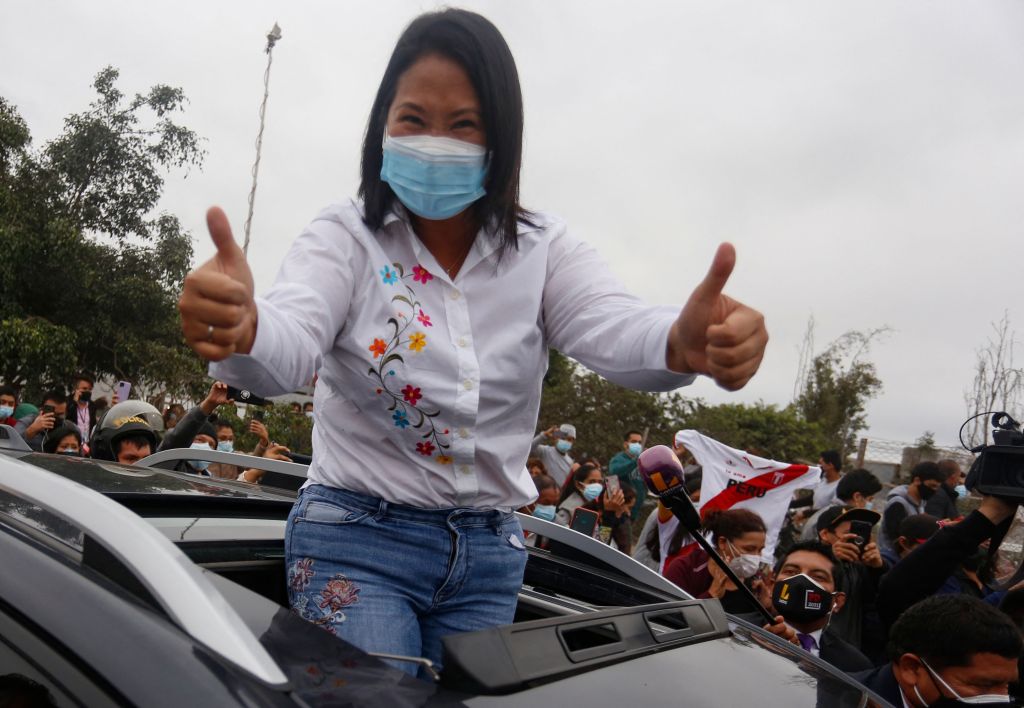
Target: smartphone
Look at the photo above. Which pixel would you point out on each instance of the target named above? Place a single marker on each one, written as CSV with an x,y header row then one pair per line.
x,y
558,435
585,521
240,395
259,414
47,408
612,484
124,388
863,531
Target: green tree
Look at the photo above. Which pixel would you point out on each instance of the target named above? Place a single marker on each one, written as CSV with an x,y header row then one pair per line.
x,y
761,428
83,260
837,387
602,411
285,427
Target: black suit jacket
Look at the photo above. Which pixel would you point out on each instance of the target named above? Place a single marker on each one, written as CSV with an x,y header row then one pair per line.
x,y
882,681
841,654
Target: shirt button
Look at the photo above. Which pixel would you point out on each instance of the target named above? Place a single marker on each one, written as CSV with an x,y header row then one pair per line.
x,y
463,433
455,295
468,385
463,342
464,469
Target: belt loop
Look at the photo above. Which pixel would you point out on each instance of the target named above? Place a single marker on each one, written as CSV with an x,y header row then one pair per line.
x,y
382,511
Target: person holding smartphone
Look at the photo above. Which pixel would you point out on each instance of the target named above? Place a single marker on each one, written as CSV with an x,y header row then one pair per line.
x,y
428,307
848,531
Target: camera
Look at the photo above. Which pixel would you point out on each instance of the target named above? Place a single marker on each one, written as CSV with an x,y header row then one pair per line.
x,y
999,468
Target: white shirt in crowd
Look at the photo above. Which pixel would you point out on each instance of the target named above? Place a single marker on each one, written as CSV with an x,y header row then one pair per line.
x,y
429,388
824,494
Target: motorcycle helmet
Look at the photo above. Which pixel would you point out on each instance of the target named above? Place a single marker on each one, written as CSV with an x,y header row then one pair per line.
x,y
127,417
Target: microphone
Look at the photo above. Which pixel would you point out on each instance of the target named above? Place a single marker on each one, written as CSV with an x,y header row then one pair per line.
x,y
662,473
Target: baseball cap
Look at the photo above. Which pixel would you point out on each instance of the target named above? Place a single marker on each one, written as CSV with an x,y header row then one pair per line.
x,y
835,515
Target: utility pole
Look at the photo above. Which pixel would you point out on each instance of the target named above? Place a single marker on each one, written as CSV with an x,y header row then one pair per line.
x,y
272,37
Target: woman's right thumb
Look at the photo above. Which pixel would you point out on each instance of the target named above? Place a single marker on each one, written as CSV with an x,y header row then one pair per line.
x,y
220,234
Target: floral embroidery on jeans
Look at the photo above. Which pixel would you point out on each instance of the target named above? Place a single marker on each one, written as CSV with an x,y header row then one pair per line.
x,y
300,574
338,593
403,397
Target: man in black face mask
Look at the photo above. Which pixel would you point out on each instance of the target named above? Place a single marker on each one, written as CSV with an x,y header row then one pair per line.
x,y
948,650
805,595
907,500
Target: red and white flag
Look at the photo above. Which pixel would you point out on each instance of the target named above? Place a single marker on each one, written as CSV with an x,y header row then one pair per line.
x,y
734,479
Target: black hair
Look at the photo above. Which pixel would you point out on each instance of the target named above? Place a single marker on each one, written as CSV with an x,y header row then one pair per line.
x,y
949,468
82,376
833,458
542,482
138,439
947,630
927,471
630,433
54,436
581,473
732,523
859,480
822,549
476,45
8,390
55,395
221,423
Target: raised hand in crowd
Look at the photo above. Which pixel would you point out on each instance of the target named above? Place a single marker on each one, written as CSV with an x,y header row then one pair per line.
x,y
217,396
720,583
277,452
44,422
258,429
615,502
846,550
762,585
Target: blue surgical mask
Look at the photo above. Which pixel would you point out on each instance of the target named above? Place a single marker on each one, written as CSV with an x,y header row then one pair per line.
x,y
6,411
635,449
592,491
200,465
961,491
563,446
435,178
544,511
226,446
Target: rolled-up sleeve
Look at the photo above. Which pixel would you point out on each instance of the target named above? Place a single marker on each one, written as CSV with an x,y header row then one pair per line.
x,y
589,315
300,316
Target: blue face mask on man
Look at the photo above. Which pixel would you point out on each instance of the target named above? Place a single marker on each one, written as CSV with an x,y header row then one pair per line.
x,y
226,446
435,178
200,465
563,446
635,448
6,411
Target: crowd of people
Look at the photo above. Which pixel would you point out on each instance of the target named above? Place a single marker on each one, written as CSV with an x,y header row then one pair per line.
x,y
895,585
73,423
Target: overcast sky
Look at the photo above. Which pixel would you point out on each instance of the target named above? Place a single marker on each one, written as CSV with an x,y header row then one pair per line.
x,y
866,158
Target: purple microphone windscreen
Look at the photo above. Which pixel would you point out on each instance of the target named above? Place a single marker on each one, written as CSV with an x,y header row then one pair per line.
x,y
660,469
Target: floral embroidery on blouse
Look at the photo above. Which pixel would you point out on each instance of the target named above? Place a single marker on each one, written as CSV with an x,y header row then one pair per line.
x,y
403,400
420,274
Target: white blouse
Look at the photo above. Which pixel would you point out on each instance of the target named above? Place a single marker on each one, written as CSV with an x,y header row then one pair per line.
x,y
429,388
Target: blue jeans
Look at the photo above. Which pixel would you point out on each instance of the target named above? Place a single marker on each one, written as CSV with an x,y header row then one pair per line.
x,y
395,579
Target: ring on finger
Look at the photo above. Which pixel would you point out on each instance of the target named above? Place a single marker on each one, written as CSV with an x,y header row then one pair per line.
x,y
209,333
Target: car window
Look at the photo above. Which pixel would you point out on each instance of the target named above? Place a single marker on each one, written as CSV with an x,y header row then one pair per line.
x,y
32,673
218,528
36,518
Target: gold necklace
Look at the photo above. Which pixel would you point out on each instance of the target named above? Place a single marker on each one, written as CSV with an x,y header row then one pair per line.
x,y
458,262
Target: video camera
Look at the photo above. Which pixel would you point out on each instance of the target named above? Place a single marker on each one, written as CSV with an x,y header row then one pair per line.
x,y
999,468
